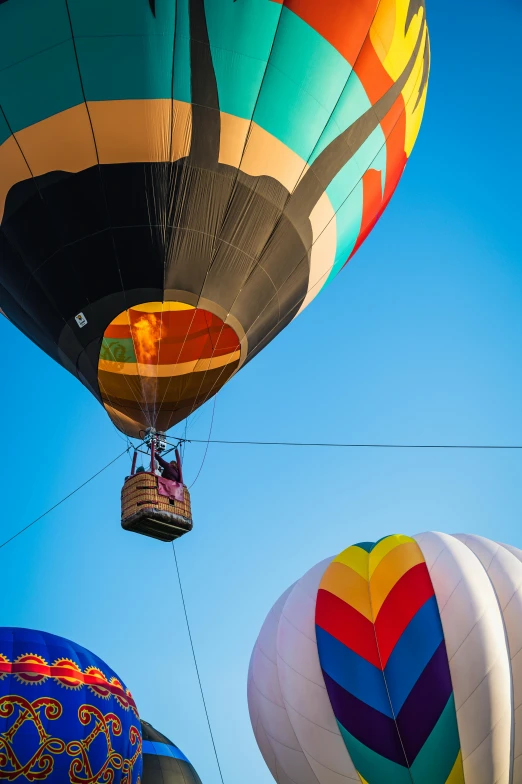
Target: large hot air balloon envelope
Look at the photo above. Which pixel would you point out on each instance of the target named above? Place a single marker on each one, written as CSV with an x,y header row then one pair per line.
x,y
397,662
179,178
64,715
163,762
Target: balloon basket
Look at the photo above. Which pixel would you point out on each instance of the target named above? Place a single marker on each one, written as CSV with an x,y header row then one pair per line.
x,y
144,511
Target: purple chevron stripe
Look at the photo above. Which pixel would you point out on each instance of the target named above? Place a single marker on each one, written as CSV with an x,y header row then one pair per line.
x,y
368,725
415,722
425,703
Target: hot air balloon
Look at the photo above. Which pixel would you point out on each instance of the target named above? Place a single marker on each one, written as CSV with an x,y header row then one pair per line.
x,y
396,662
163,762
64,715
180,178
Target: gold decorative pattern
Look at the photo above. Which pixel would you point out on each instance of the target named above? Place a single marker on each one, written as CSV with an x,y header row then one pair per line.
x,y
41,763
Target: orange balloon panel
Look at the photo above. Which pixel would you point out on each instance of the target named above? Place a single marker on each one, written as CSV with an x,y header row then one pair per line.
x,y
160,361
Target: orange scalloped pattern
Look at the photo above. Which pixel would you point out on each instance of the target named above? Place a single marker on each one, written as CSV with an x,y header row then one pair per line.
x,y
34,670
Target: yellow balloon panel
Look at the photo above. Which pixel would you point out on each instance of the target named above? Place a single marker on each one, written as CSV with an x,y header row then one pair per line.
x,y
160,361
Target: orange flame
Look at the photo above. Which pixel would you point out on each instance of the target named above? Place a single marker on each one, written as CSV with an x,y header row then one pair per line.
x,y
146,333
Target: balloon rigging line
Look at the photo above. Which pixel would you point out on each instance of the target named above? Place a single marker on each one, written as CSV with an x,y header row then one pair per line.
x,y
350,446
207,442
59,503
196,663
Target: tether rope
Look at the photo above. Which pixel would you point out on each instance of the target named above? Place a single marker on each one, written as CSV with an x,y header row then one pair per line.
x,y
196,664
350,446
63,500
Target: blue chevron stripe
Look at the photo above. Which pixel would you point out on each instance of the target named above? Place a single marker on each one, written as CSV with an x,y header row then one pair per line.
x,y
412,653
418,643
352,672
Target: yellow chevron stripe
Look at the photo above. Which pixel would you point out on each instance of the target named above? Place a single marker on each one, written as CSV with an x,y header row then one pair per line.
x,y
457,774
356,558
390,570
384,547
348,585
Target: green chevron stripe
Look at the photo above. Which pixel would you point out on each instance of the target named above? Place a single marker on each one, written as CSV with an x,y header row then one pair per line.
x,y
437,757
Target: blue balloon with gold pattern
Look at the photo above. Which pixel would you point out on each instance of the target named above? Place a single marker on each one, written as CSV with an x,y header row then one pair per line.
x,y
65,716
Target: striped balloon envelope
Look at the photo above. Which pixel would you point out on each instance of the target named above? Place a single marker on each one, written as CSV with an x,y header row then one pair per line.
x,y
396,662
179,179
163,762
167,353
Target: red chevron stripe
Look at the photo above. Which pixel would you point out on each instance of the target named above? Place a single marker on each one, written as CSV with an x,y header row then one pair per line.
x,y
347,625
405,598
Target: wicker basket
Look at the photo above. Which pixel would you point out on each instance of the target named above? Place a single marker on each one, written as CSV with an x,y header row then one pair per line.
x,y
145,511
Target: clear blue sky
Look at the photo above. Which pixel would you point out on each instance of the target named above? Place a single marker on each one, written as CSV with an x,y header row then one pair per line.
x,y
418,341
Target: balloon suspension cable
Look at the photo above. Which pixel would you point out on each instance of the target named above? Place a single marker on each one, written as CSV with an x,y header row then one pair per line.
x,y
144,446
196,664
207,443
63,500
337,445
182,441
175,446
140,451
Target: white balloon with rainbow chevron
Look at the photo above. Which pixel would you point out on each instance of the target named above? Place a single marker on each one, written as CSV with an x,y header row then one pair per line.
x,y
396,662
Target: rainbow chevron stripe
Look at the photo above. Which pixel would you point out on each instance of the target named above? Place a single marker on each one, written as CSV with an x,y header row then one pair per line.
x,y
384,661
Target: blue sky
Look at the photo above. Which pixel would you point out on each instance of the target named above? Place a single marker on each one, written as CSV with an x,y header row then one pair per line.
x,y
418,341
